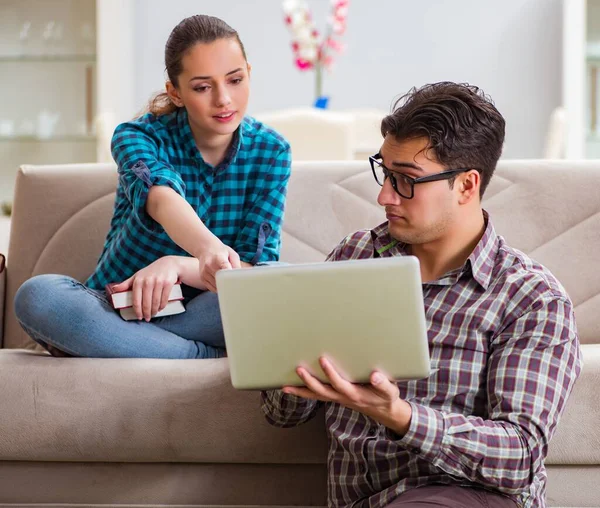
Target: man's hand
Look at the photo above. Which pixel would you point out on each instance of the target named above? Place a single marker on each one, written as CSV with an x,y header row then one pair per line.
x,y
379,400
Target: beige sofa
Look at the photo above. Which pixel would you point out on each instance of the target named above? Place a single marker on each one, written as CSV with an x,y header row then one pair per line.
x,y
161,432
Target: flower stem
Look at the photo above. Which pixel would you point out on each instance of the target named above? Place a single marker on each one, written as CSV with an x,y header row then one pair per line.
x,y
318,80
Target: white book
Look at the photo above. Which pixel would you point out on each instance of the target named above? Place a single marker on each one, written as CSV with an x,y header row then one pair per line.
x,y
124,299
173,307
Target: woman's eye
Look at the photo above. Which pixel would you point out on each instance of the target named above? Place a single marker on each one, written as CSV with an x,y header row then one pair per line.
x,y
236,81
201,88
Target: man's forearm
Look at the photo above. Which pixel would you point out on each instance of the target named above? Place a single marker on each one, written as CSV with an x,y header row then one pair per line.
x,y
496,454
399,417
284,410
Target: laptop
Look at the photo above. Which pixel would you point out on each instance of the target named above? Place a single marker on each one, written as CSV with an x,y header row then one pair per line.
x,y
363,315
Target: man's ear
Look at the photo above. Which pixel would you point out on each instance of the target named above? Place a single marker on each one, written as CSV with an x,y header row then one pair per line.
x,y
468,186
173,94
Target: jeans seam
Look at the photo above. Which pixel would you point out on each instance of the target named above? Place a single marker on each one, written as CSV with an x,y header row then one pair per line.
x,y
95,293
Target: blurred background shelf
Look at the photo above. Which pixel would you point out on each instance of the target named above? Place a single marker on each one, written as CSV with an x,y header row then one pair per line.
x,y
47,58
59,62
581,78
68,138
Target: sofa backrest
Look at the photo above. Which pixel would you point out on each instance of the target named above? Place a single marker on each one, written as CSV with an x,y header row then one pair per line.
x,y
61,214
548,209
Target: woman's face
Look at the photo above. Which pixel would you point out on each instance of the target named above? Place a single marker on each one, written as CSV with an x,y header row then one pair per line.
x,y
213,87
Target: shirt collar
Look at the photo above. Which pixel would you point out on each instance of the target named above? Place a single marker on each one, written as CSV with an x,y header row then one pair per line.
x,y
384,244
185,131
481,260
480,263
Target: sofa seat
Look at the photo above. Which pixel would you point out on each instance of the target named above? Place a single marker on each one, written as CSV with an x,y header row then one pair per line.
x,y
148,410
140,410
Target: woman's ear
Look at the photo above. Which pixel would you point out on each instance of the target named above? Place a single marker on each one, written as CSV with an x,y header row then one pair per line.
x,y
173,94
249,69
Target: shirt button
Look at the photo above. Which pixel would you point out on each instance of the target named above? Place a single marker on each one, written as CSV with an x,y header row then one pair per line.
x,y
373,431
416,451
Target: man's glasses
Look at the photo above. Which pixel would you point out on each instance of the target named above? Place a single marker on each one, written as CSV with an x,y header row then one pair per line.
x,y
404,185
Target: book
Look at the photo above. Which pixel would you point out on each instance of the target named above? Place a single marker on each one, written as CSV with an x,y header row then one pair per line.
x,y
123,299
172,307
123,302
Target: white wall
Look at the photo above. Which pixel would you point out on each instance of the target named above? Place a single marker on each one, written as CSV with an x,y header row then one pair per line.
x,y
510,48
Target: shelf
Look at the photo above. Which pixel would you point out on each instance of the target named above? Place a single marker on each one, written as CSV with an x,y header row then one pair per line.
x,y
67,138
48,58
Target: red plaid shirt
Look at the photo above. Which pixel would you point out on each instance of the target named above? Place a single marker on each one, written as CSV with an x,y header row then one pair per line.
x,y
503,339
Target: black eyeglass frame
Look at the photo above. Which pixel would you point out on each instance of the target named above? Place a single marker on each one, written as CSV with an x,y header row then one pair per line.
x,y
443,175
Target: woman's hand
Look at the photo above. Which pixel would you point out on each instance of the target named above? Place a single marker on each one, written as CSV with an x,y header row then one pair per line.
x,y
151,286
216,256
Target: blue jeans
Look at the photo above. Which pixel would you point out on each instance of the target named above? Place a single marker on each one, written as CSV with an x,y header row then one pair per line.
x,y
59,311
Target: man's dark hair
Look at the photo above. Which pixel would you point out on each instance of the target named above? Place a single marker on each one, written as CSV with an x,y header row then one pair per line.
x,y
464,128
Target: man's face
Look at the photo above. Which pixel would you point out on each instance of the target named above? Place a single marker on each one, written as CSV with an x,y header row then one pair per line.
x,y
429,215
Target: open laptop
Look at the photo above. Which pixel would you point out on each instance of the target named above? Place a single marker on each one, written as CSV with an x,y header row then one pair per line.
x,y
362,314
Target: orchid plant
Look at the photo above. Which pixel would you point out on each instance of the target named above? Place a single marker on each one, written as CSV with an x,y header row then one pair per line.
x,y
313,50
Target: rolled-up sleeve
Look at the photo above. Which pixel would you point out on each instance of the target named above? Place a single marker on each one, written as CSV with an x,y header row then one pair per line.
x,y
136,150
285,410
259,240
533,366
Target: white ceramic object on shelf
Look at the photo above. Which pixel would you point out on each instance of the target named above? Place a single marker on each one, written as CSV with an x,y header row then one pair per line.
x,y
555,143
46,124
7,128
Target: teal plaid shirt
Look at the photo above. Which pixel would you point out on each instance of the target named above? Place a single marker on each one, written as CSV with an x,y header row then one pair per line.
x,y
241,200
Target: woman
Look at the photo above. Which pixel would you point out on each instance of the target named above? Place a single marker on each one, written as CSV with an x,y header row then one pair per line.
x,y
201,188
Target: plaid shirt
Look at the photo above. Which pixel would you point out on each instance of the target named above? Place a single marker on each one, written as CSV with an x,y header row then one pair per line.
x,y
241,200
502,336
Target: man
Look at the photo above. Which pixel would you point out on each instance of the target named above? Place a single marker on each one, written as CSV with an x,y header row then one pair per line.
x,y
501,330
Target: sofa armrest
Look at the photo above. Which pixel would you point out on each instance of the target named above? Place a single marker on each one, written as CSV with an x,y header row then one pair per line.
x,y
2,294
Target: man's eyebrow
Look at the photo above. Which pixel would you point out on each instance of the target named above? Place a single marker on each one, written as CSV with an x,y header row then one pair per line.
x,y
209,77
402,164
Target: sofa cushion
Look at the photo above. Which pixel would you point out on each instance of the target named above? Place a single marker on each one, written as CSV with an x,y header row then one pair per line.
x,y
60,218
577,439
139,410
143,410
